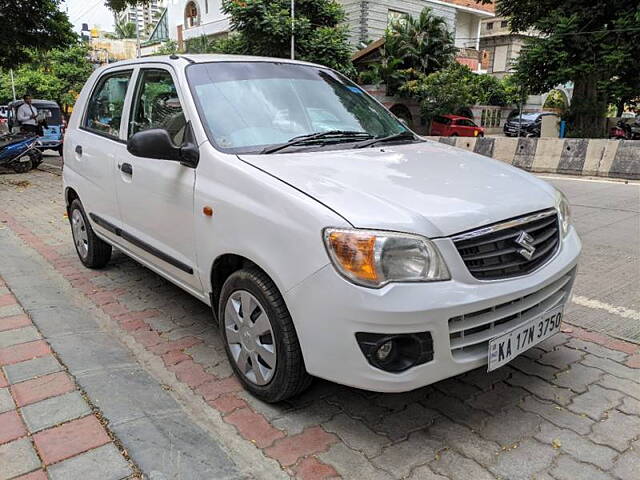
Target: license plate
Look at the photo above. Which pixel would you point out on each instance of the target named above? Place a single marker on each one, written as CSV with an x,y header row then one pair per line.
x,y
25,159
506,347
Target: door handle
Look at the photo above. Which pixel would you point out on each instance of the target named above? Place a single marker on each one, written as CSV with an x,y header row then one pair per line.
x,y
126,168
79,149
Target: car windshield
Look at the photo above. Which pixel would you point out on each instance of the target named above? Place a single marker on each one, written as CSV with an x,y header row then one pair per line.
x,y
528,117
248,106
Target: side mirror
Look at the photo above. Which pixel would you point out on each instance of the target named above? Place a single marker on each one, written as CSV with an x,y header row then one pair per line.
x,y
156,143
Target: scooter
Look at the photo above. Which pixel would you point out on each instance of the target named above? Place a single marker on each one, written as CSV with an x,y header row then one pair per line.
x,y
625,131
19,152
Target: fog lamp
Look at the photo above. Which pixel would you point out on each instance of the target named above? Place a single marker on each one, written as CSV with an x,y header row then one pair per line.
x,y
384,350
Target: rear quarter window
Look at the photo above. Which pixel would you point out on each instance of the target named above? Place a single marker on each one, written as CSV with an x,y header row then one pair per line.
x,y
103,114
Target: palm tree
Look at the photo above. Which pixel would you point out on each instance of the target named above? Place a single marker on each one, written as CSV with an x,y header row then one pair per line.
x,y
424,43
125,29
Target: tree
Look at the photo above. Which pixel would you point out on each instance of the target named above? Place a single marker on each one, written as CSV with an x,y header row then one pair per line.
x,y
55,75
31,25
125,30
264,27
424,43
592,43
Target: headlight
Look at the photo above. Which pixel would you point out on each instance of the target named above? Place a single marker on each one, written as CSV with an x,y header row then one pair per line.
x,y
374,258
564,213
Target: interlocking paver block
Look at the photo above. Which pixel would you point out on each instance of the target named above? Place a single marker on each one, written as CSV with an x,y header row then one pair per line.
x,y
70,439
400,424
254,427
296,421
567,468
453,465
500,397
541,388
611,367
37,475
29,369
102,463
289,449
630,406
352,465
356,435
465,441
6,402
531,367
510,427
400,458
595,402
311,468
578,377
577,446
628,465
17,458
41,388
630,387
7,299
524,462
558,415
10,310
617,430
561,358
597,350
55,410
18,335
11,426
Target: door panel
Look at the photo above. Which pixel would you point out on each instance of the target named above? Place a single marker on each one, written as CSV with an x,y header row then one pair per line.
x,y
156,196
91,150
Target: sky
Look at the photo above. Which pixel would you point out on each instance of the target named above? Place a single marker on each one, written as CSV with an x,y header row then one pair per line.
x,y
92,12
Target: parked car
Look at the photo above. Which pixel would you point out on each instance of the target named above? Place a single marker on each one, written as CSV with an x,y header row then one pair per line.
x,y
455,126
529,126
362,254
52,137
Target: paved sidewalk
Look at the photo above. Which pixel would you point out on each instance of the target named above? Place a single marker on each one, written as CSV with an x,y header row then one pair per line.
x,y
48,429
569,409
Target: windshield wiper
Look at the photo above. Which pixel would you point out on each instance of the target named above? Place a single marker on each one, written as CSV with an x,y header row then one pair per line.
x,y
315,136
398,136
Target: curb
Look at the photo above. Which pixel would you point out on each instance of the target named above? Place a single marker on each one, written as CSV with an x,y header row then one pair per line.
x,y
572,156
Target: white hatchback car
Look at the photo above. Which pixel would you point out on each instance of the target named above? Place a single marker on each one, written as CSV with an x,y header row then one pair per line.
x,y
329,239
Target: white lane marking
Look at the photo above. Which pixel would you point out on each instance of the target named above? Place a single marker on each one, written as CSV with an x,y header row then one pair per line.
x,y
592,180
596,304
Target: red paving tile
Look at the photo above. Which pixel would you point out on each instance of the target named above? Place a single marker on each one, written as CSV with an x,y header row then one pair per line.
x,y
11,426
227,403
191,373
33,391
254,427
288,450
24,351
3,380
15,321
7,299
70,439
311,468
212,390
37,475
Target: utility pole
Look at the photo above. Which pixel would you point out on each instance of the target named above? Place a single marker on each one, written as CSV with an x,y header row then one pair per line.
x,y
138,50
13,85
293,35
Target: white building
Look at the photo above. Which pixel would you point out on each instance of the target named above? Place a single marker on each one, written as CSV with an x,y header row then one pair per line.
x,y
145,15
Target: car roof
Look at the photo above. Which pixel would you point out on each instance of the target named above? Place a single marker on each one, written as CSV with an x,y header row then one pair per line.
x,y
206,58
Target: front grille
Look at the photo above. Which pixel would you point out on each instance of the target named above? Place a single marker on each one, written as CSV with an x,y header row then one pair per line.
x,y
493,252
470,334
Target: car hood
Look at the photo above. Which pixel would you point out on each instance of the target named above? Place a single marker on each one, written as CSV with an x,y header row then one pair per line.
x,y
426,188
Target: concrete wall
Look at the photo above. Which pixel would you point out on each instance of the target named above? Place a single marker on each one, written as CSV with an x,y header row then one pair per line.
x,y
575,156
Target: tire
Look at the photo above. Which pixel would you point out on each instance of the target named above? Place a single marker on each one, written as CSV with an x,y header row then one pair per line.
x,y
60,150
279,375
22,167
454,135
93,252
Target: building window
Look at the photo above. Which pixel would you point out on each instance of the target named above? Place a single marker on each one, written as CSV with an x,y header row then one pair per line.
x,y
191,15
490,26
504,24
395,16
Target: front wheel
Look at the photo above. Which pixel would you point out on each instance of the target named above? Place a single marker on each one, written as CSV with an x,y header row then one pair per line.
x,y
22,167
93,252
259,336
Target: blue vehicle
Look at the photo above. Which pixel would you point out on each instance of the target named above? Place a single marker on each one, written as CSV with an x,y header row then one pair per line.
x,y
52,136
19,152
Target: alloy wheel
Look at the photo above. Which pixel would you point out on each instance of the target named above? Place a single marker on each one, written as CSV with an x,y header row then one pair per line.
x,y
250,337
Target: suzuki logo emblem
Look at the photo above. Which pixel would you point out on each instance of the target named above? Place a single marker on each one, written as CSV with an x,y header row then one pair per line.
x,y
526,242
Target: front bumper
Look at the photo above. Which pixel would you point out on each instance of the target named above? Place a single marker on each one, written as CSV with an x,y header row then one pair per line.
x,y
328,311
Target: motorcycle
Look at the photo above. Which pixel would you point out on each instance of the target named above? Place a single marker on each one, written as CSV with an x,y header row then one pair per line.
x,y
19,152
624,131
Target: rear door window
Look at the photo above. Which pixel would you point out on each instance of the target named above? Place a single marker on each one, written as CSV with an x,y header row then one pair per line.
x,y
104,110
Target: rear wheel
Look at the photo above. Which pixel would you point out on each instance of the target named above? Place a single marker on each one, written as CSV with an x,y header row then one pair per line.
x,y
22,167
93,252
260,339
